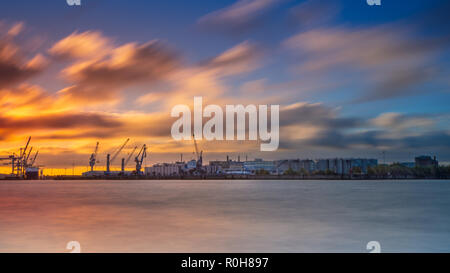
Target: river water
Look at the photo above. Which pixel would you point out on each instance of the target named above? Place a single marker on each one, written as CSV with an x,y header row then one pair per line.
x,y
225,216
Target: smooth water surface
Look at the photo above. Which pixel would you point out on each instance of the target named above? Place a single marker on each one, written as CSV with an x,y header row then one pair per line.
x,y
224,216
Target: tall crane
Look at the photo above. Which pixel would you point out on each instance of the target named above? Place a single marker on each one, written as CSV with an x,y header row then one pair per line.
x,y
131,154
28,156
24,151
199,162
125,162
19,163
13,159
93,158
118,151
21,160
34,158
140,158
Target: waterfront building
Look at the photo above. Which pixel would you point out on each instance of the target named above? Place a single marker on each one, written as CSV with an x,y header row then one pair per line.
x,y
164,169
220,164
426,162
334,165
322,165
260,165
213,169
282,166
308,165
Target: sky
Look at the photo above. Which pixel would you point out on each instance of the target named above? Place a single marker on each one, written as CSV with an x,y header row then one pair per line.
x,y
352,80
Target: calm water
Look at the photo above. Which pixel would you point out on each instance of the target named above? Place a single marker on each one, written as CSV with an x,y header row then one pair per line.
x,y
225,216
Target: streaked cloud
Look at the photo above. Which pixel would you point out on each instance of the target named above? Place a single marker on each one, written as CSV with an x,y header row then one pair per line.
x,y
16,29
394,59
89,44
14,67
313,13
324,128
242,58
316,114
102,71
239,17
57,121
207,78
401,122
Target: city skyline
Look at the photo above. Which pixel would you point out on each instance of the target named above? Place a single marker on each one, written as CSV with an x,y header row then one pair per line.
x,y
352,80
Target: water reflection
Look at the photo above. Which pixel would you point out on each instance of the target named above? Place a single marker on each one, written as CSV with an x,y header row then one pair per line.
x,y
224,216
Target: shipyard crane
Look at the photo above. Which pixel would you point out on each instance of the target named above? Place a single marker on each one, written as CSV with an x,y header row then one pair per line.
x,y
140,158
19,163
131,154
125,162
21,159
24,151
93,158
34,158
28,156
6,158
199,162
13,159
118,151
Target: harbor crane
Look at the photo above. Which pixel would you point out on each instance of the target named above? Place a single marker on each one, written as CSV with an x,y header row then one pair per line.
x,y
109,159
93,158
28,156
118,151
34,158
131,154
20,163
125,162
199,156
140,158
24,151
13,159
21,160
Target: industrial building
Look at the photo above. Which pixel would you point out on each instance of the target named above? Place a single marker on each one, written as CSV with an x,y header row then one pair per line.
x,y
296,165
333,165
426,162
164,169
260,165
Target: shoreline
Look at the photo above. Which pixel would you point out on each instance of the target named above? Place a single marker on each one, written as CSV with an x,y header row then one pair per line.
x,y
231,177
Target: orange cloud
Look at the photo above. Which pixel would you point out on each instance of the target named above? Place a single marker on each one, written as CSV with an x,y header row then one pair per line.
x,y
89,44
102,71
16,29
14,68
206,79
